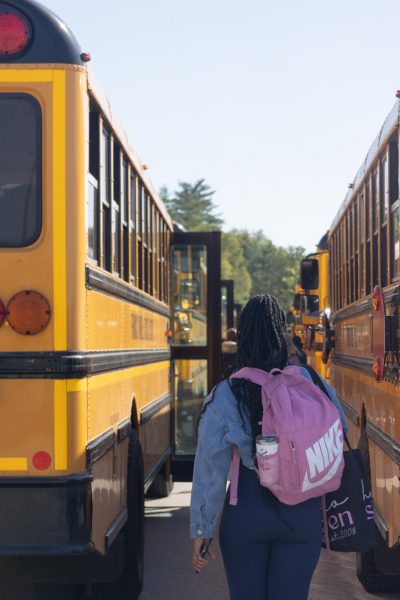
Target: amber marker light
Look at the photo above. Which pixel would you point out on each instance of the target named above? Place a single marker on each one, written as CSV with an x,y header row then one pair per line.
x,y
2,313
41,460
14,33
28,312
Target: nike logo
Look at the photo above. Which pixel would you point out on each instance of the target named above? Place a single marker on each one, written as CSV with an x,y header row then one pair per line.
x,y
308,485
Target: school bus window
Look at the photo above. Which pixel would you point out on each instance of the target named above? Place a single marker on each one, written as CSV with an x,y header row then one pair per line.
x,y
362,243
384,200
93,218
150,244
395,240
20,170
348,263
351,252
344,271
140,235
156,251
375,202
393,170
145,239
166,278
375,225
161,271
310,305
125,217
116,210
153,282
105,181
94,142
133,224
356,251
368,238
384,188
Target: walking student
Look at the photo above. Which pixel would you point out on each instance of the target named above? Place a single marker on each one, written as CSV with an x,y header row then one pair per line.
x,y
270,549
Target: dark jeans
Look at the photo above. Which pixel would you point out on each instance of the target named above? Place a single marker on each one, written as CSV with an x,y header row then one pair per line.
x,y
270,550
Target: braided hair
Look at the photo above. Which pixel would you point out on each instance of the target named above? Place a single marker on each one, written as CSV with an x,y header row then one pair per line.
x,y
261,345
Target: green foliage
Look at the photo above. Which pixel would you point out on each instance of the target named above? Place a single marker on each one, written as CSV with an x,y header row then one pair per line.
x,y
233,266
273,269
192,206
255,264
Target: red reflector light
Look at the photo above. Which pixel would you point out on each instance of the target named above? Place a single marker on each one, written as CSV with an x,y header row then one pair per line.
x,y
28,312
2,313
14,33
41,460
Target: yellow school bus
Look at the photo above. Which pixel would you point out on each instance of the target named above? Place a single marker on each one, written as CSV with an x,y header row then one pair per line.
x,y
85,339
315,306
364,292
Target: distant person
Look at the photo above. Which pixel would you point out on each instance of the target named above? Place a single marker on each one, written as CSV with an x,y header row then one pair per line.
x,y
300,352
292,356
270,549
229,348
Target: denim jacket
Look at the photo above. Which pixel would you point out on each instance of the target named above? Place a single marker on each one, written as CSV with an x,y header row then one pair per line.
x,y
221,426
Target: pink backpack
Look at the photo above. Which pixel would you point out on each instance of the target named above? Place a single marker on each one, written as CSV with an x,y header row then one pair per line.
x,y
310,434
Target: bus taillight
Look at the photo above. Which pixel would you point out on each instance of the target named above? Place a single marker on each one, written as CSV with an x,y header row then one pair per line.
x,y
28,312
14,33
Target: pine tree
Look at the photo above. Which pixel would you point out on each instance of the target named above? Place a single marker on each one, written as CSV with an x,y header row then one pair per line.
x,y
192,206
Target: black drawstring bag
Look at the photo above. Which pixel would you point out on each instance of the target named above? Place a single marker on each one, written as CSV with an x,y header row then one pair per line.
x,y
349,512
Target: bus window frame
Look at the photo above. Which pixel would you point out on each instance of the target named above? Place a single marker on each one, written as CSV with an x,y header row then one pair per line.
x,y
116,263
125,216
105,197
133,233
39,164
384,259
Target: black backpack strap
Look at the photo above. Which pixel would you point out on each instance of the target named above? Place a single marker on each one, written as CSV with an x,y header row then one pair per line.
x,y
316,379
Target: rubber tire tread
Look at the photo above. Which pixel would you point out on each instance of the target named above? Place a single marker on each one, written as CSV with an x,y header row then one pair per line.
x,y
160,488
129,585
372,580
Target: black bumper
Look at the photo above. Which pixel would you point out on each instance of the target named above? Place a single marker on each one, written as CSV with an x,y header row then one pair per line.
x,y
45,516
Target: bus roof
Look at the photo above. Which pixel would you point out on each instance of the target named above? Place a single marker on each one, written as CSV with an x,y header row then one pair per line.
x,y
381,139
51,40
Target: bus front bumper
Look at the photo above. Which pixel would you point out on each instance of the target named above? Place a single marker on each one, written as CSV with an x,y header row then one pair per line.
x,y
45,516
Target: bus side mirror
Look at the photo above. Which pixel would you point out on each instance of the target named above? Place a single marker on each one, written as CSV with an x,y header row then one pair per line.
x,y
309,279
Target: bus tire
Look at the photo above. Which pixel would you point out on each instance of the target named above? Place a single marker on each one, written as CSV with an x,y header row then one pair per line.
x,y
130,583
53,591
373,580
161,487
163,484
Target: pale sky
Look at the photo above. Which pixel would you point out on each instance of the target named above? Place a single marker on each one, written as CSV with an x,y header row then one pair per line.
x,y
274,104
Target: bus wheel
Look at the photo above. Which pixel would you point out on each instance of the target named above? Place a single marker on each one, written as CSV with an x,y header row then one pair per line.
x,y
163,484
50,591
130,583
373,580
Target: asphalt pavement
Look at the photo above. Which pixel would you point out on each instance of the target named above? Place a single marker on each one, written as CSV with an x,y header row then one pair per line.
x,y
169,576
168,572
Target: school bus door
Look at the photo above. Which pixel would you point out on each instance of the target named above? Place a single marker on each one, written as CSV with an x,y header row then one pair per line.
x,y
195,339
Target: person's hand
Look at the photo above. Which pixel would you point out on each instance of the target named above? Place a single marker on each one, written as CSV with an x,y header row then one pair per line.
x,y
198,562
